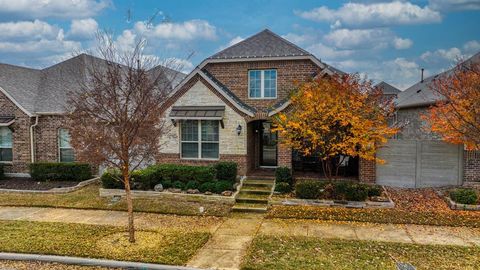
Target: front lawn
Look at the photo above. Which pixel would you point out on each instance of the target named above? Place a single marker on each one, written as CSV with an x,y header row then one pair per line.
x,y
312,253
88,198
164,246
412,206
27,265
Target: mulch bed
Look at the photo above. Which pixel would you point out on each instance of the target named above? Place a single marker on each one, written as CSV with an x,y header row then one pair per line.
x,y
30,184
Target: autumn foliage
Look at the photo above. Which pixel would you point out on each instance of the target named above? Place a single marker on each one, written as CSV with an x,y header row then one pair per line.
x,y
333,116
456,117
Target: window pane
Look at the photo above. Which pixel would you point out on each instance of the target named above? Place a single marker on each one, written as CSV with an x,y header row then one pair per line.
x,y
189,150
64,137
190,130
209,150
6,154
5,137
255,83
66,155
210,131
270,83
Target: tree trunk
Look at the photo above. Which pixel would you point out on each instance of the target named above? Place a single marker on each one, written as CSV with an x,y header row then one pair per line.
x,y
131,227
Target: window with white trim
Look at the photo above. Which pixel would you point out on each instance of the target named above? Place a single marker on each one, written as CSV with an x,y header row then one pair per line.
x,y
199,139
6,152
65,150
262,83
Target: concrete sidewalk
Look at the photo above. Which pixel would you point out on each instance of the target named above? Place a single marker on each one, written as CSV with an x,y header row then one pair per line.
x,y
232,236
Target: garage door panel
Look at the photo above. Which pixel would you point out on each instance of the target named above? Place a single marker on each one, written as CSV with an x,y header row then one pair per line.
x,y
439,164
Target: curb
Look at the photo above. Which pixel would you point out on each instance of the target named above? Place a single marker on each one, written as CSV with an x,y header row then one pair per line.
x,y
89,261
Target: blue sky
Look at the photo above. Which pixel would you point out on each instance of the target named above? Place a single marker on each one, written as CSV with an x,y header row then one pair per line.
x,y
385,40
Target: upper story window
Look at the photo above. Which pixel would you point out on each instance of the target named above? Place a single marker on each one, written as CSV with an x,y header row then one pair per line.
x,y
6,153
199,139
65,149
262,83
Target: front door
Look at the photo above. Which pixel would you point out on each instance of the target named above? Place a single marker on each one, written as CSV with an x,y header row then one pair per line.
x,y
268,146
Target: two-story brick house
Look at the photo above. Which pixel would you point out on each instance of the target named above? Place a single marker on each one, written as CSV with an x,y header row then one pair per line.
x,y
32,111
223,109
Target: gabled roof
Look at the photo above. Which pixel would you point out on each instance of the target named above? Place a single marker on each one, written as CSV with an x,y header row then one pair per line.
x,y
421,94
46,91
388,89
264,44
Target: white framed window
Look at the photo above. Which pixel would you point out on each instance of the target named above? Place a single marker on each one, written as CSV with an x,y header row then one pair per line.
x,y
6,145
199,139
65,150
262,84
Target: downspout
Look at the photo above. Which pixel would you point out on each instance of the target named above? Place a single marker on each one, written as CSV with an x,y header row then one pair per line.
x,y
32,146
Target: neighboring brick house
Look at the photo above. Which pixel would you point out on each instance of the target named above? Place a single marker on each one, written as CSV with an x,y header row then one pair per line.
x,y
435,163
32,107
223,109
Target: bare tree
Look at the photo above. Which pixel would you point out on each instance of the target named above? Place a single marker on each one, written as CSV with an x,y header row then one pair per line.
x,y
116,117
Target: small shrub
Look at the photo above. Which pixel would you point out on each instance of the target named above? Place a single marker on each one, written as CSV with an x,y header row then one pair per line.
x,y
207,186
192,185
226,171
222,186
111,179
282,187
356,192
310,189
59,171
464,196
284,174
178,184
374,191
167,184
174,172
340,189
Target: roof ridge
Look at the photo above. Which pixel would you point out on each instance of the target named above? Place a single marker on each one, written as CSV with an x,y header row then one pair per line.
x,y
22,67
237,44
286,40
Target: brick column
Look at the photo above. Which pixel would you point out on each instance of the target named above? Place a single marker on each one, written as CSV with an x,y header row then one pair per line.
x,y
366,171
284,156
471,166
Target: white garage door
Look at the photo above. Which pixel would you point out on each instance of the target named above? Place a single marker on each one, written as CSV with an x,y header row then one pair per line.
x,y
410,163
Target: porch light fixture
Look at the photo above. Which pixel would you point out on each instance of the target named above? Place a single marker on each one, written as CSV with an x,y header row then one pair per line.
x,y
239,130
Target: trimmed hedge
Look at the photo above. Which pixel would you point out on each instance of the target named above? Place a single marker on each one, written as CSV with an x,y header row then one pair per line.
x,y
284,174
171,173
58,171
226,171
111,178
338,190
464,196
282,187
2,172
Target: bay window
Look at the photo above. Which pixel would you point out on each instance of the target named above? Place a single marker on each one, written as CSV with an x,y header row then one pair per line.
x,y
199,139
6,153
262,83
65,149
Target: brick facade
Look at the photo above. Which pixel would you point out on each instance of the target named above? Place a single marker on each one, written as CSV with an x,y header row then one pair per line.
x,y
366,170
46,137
234,75
20,136
471,166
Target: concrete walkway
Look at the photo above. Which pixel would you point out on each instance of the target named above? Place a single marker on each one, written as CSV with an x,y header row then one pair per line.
x,y
232,236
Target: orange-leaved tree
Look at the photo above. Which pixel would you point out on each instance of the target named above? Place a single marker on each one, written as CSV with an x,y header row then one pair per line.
x,y
456,116
336,116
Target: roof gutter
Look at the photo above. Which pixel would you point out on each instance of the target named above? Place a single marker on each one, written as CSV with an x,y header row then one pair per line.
x,y
32,145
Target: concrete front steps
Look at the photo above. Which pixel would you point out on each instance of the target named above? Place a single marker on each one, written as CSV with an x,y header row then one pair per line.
x,y
253,196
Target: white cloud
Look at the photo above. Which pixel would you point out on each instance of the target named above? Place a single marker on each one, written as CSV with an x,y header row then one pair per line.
x,y
440,55
454,5
182,65
126,41
235,40
64,9
188,30
373,14
402,43
378,38
27,30
323,51
83,28
472,47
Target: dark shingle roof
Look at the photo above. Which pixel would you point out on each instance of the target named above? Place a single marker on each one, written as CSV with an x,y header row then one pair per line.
x,y
388,89
421,94
263,44
46,90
